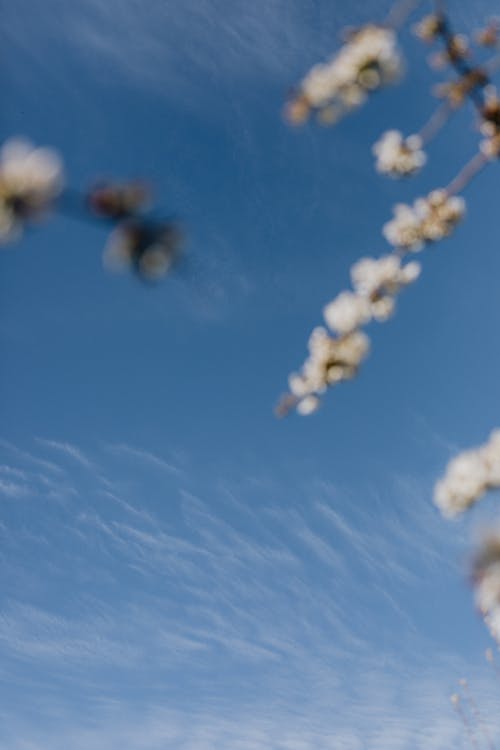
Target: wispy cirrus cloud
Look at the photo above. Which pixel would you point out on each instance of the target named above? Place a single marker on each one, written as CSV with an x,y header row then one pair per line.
x,y
123,450
180,48
27,458
68,450
283,626
9,488
260,725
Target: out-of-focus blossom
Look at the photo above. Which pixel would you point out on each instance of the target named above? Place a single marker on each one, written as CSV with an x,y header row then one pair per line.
x,y
404,231
457,50
148,248
369,60
456,92
118,200
486,576
380,280
492,620
490,35
439,214
398,156
308,405
376,282
490,125
428,220
347,312
330,361
30,180
385,275
430,27
468,477
490,146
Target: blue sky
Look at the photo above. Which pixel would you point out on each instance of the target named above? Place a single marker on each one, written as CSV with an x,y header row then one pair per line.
x,y
179,569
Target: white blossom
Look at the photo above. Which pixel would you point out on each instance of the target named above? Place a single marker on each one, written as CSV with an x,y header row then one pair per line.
x,y
468,477
428,220
380,279
490,146
347,312
375,276
404,231
330,361
308,405
376,282
30,180
383,308
439,214
398,156
492,621
369,59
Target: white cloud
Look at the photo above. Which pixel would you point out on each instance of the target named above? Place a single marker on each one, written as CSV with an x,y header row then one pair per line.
x,y
68,449
282,627
144,456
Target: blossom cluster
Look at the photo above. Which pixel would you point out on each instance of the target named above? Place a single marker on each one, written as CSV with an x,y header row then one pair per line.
x,y
429,219
489,36
430,27
149,248
368,60
456,92
486,574
332,359
468,476
490,125
118,200
30,181
398,156
435,26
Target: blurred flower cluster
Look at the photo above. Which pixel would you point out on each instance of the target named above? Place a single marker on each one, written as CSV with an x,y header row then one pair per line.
x,y
31,185
398,156
490,124
368,60
330,361
30,181
149,248
376,283
429,219
146,246
468,476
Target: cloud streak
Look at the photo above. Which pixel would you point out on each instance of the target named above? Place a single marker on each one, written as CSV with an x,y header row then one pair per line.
x,y
280,627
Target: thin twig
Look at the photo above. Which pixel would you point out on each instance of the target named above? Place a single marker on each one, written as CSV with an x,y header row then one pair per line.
x,y
476,713
490,658
436,121
467,173
458,62
465,721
